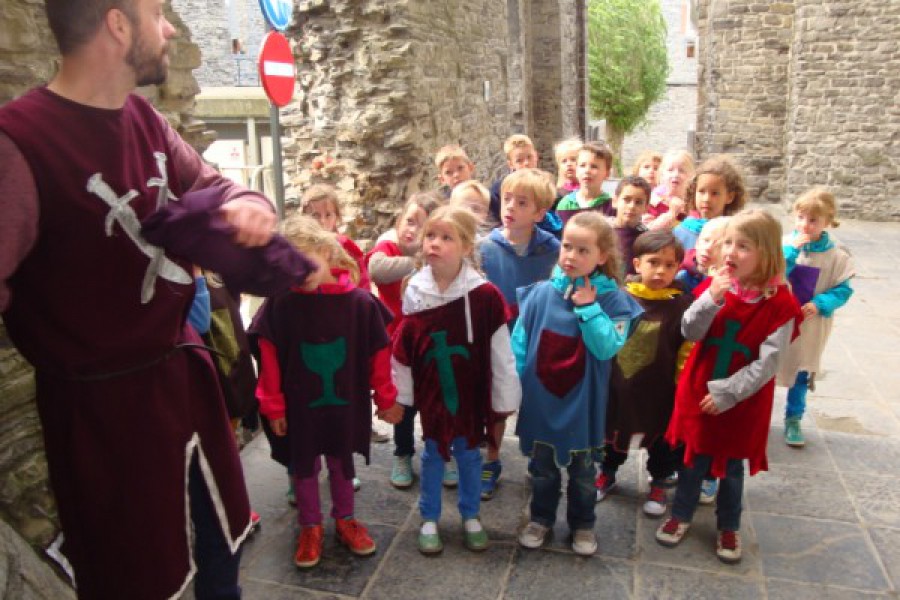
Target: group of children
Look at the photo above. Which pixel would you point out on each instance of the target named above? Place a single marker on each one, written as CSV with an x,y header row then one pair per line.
x,y
662,312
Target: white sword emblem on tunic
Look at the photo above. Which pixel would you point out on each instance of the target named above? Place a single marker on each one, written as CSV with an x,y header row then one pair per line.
x,y
121,212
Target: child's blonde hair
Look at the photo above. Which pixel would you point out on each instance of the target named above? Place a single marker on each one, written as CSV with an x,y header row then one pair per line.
x,y
537,183
427,201
607,241
819,202
565,147
764,231
515,141
451,151
460,219
321,192
460,190
306,235
720,165
715,226
675,155
645,156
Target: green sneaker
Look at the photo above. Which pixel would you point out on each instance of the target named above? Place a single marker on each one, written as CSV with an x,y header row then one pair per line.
x,y
793,436
429,539
474,536
402,473
451,474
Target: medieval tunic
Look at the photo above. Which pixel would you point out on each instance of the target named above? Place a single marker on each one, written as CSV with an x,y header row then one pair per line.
x,y
99,313
823,268
729,363
564,354
642,385
323,345
452,360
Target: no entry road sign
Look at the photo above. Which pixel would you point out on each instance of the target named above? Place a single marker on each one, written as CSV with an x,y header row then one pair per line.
x,y
277,12
276,68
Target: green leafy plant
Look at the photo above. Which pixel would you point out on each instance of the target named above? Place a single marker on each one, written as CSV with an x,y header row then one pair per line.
x,y
627,64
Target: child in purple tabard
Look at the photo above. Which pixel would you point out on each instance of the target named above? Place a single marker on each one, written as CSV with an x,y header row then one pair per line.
x,y
630,204
318,347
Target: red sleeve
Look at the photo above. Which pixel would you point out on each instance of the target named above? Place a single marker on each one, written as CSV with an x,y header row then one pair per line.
x,y
357,255
380,379
268,387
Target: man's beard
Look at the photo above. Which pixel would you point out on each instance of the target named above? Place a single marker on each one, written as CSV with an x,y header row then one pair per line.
x,y
149,69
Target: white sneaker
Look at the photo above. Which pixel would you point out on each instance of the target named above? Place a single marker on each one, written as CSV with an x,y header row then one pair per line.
x,y
584,542
533,535
708,490
655,506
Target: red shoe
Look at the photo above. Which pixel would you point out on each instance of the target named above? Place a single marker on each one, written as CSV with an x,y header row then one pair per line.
x,y
309,546
355,536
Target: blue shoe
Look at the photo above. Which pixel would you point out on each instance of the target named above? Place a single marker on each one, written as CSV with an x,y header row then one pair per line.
x,y
708,490
451,474
490,475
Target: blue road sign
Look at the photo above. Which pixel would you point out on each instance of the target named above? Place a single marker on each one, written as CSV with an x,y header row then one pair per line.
x,y
277,12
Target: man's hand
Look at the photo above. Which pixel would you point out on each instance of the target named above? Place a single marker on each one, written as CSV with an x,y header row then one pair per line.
x,y
254,224
392,415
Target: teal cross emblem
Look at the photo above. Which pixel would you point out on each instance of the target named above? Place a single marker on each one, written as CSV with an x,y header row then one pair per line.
x,y
441,354
728,347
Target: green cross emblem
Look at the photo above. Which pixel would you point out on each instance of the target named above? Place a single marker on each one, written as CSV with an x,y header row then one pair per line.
x,y
728,347
441,354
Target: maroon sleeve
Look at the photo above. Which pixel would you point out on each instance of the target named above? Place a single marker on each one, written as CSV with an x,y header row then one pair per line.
x,y
195,174
19,210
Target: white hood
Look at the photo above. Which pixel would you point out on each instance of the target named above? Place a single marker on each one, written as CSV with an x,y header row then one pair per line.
x,y
422,292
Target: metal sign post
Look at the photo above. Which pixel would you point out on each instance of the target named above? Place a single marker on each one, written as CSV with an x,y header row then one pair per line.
x,y
278,76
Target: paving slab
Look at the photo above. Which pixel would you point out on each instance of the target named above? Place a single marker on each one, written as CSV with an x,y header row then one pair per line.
x,y
818,551
887,544
800,491
877,498
876,455
657,582
779,589
546,574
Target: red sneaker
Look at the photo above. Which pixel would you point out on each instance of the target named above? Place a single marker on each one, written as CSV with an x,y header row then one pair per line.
x,y
255,522
309,546
355,536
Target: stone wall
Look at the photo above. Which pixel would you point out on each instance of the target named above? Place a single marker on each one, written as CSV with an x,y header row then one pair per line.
x,y
217,24
743,87
28,58
383,85
843,120
802,93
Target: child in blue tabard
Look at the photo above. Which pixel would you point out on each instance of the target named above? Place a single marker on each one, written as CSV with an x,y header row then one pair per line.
x,y
569,329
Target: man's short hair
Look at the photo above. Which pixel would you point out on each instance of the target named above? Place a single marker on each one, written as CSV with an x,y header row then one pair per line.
x,y
74,22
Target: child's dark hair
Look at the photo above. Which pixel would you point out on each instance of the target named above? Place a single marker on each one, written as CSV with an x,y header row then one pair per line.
x,y
720,165
599,150
655,241
634,181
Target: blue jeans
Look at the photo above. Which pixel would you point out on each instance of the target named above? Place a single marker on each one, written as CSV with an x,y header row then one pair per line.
x,y
217,567
796,396
468,462
728,500
546,486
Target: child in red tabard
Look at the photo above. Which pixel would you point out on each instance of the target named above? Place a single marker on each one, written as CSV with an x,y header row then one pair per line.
x,y
391,260
317,349
743,321
322,204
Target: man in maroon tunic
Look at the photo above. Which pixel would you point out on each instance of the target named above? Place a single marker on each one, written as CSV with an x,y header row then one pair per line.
x,y
137,438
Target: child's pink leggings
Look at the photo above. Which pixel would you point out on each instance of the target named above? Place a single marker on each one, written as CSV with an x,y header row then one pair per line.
x,y
309,508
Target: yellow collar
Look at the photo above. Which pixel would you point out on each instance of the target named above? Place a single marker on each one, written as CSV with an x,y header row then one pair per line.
x,y
638,289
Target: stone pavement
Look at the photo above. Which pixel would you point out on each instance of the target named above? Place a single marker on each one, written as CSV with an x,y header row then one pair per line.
x,y
823,523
